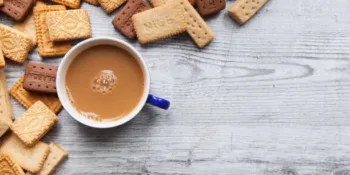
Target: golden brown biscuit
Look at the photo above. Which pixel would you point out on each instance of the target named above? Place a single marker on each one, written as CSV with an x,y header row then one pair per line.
x,y
242,10
56,156
8,166
110,5
74,4
2,59
93,2
27,27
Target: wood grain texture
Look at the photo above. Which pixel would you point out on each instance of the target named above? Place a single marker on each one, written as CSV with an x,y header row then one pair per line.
x,y
271,97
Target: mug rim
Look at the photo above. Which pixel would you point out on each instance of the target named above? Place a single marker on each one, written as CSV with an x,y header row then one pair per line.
x,y
70,56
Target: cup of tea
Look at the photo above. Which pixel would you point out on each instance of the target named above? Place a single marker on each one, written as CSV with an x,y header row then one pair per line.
x,y
104,82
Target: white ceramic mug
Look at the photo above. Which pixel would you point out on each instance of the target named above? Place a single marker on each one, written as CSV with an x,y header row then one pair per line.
x,y
61,84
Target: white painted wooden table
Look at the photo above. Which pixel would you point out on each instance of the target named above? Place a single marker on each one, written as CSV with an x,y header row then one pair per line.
x,y
271,97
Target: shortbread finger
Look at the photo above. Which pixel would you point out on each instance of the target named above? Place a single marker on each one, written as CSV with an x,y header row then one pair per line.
x,y
56,156
242,10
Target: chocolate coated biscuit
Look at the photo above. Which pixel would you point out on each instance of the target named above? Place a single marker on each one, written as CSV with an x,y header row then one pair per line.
x,y
17,9
40,78
122,21
208,7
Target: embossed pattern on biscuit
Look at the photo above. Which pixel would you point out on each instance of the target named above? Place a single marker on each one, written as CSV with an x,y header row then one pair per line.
x,y
68,25
8,166
15,45
34,123
242,10
110,5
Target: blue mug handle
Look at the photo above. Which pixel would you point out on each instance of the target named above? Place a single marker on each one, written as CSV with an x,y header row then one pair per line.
x,y
158,102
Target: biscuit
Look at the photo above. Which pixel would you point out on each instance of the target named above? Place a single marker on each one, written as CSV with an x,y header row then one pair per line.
x,y
92,2
110,5
8,166
68,25
46,47
29,158
17,9
6,112
27,27
15,45
122,21
208,7
160,22
242,10
1,3
2,59
56,156
33,124
4,126
200,32
40,78
74,4
27,99
157,3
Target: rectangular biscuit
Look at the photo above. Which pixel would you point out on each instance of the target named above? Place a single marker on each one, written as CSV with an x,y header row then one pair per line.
x,y
122,21
40,78
242,10
15,45
68,25
27,99
27,27
74,4
209,7
17,9
160,22
93,2
8,166
6,112
33,124
46,47
29,158
157,3
56,156
110,5
4,126
2,59
200,32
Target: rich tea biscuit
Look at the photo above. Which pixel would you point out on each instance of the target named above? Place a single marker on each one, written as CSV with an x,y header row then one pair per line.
x,y
15,45
157,3
8,166
6,112
110,5
74,4
27,27
29,158
2,59
56,156
68,25
46,47
200,32
40,78
27,99
122,21
160,22
242,10
33,124
208,7
93,2
17,9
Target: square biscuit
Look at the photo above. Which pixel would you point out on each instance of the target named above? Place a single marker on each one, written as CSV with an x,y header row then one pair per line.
x,y
160,22
110,5
27,98
56,156
27,27
74,4
196,27
33,124
15,45
29,158
242,10
6,112
46,47
8,166
2,59
68,25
